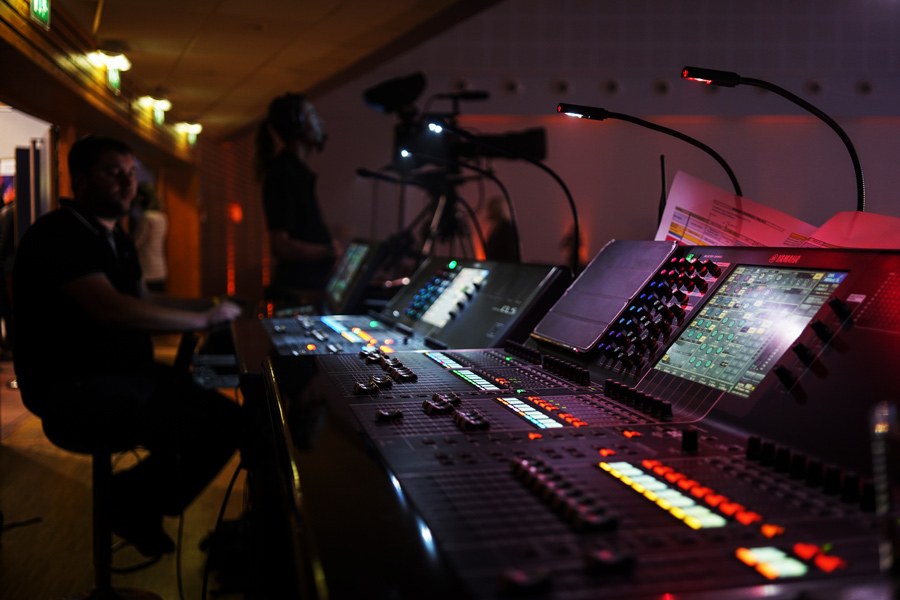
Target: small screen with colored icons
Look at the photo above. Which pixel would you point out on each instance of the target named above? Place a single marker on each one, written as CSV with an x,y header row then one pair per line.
x,y
748,323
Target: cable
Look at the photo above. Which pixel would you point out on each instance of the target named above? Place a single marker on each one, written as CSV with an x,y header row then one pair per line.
x,y
219,520
506,152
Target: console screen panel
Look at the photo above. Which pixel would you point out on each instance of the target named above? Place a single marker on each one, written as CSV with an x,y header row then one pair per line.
x,y
747,324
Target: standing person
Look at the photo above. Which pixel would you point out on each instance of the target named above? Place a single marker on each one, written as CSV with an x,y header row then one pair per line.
x,y
84,355
303,250
502,241
149,234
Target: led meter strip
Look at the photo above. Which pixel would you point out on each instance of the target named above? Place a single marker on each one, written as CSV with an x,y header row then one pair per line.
x,y
679,505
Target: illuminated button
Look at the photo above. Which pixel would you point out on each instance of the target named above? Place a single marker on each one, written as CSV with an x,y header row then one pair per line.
x,y
829,563
687,484
786,567
806,551
730,508
674,476
676,499
604,452
771,531
699,491
747,517
715,499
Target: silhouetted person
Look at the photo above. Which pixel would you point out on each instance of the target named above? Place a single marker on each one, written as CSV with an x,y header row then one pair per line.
x,y
84,355
301,245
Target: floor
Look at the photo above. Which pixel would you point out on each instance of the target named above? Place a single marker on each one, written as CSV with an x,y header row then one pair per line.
x,y
45,539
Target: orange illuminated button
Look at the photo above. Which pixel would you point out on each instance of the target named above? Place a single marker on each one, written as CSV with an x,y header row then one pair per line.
x,y
806,551
745,555
607,452
534,436
650,464
631,434
829,563
771,531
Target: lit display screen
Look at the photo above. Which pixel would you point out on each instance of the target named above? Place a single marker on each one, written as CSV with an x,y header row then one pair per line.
x,y
745,327
351,264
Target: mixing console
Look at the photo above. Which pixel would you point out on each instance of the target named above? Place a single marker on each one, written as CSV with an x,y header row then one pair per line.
x,y
704,435
447,303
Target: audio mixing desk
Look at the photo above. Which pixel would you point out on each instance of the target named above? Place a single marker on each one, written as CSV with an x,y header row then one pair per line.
x,y
685,422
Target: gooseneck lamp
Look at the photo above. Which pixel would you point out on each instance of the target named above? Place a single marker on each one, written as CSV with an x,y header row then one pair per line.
x,y
600,114
729,79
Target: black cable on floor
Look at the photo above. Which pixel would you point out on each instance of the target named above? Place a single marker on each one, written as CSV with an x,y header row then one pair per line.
x,y
219,520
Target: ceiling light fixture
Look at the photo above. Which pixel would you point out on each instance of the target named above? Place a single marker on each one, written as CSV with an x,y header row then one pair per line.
x,y
158,105
189,129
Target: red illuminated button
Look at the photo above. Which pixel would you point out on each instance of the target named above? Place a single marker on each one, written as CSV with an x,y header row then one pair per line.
x,y
649,464
746,517
700,491
715,499
687,484
607,452
631,434
662,470
806,551
673,477
829,563
730,508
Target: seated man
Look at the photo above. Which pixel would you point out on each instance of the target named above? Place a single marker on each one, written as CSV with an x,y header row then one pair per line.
x,y
85,364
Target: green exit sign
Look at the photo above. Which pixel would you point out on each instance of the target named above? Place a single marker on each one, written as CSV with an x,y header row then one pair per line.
x,y
40,12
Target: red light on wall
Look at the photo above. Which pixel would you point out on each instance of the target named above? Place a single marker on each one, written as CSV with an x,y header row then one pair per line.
x,y
235,212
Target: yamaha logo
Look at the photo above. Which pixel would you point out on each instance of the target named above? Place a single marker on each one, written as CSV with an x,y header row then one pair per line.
x,y
784,259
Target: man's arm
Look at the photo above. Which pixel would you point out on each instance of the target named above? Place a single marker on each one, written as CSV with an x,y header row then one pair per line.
x,y
96,294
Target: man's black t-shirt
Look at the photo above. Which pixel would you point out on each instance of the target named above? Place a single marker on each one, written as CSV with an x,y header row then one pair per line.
x,y
289,200
57,339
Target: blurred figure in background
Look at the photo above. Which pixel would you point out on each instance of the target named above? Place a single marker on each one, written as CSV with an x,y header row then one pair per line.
x,y
302,247
149,227
502,241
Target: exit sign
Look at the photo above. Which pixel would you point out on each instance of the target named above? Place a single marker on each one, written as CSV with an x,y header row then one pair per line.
x,y
40,12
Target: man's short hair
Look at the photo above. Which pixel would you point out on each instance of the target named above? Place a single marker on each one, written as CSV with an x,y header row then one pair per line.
x,y
85,153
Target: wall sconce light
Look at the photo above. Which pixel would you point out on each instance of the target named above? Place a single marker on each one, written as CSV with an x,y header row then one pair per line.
x,y
114,63
189,129
158,105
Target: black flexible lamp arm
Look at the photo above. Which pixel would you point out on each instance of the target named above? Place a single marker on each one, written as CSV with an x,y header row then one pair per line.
x,y
510,154
729,79
599,114
492,177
